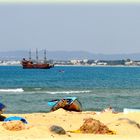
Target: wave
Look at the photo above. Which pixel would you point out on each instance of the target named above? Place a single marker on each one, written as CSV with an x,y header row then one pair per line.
x,y
12,90
68,92
40,90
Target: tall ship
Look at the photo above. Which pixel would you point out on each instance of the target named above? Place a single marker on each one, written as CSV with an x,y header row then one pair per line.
x,y
29,64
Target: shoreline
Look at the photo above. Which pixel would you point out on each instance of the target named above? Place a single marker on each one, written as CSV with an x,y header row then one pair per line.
x,y
94,66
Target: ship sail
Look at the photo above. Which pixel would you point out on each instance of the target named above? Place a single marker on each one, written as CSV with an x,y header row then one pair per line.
x,y
30,55
45,59
36,55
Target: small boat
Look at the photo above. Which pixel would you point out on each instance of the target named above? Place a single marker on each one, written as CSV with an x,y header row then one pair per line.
x,y
68,103
28,64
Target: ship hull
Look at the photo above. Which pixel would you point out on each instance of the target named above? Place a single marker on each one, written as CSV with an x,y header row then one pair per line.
x,y
30,65
37,66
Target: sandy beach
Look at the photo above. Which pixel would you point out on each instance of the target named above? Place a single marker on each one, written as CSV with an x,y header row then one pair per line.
x,y
126,126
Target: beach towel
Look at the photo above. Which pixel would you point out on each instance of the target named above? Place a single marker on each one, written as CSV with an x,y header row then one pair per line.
x,y
15,118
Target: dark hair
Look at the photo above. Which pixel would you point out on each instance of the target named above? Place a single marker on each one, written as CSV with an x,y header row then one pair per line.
x,y
2,106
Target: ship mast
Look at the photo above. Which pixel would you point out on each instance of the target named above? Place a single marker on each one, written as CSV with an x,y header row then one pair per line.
x,y
45,59
36,56
30,55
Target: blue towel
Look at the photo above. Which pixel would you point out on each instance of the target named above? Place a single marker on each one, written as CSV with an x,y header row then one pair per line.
x,y
15,118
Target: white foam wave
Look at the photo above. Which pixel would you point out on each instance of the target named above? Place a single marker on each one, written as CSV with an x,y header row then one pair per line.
x,y
37,88
69,92
12,90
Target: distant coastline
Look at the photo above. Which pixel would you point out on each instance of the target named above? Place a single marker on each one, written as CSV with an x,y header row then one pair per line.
x,y
82,62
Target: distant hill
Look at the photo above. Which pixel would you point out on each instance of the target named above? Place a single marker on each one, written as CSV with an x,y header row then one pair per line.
x,y
67,55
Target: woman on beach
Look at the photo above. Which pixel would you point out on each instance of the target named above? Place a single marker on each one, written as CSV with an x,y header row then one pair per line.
x,y
2,109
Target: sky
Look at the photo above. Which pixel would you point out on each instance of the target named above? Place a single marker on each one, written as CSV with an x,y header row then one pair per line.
x,y
70,1
107,28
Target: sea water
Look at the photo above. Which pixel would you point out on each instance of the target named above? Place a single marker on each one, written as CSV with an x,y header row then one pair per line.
x,y
29,90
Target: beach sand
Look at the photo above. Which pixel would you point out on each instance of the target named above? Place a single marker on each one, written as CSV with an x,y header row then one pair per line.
x,y
126,126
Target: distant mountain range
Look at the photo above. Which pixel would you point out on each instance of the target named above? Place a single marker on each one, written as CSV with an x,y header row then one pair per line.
x,y
67,55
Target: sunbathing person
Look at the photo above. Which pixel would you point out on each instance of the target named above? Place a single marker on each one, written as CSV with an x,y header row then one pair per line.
x,y
109,109
2,109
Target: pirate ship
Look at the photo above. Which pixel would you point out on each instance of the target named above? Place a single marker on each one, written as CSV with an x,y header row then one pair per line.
x,y
29,64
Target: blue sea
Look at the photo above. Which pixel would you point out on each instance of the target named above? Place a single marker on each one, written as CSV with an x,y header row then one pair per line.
x,y
29,90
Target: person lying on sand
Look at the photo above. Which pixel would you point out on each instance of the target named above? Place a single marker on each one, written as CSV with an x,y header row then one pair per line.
x,y
109,109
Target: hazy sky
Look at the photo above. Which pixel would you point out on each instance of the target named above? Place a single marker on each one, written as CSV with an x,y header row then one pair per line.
x,y
97,28
71,1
